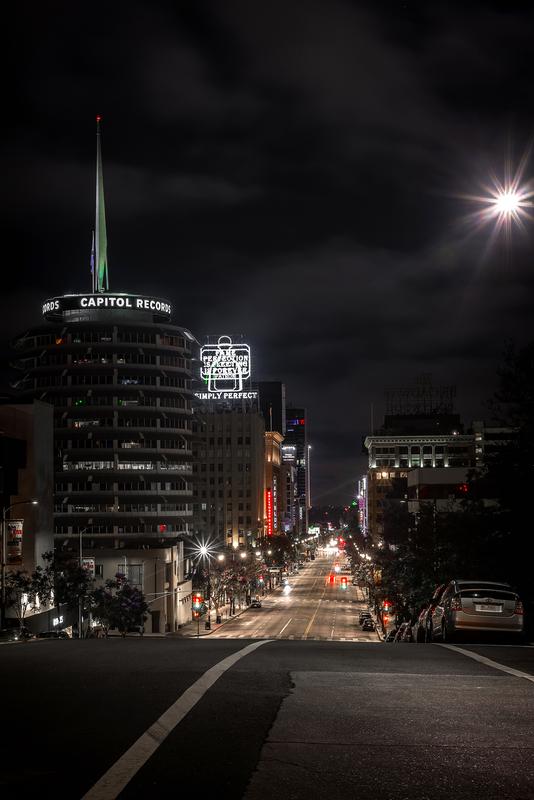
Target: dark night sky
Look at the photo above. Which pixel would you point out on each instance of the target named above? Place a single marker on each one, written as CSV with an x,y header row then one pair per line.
x,y
287,170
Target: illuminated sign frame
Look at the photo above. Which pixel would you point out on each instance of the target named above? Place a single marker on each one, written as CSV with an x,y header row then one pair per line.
x,y
225,367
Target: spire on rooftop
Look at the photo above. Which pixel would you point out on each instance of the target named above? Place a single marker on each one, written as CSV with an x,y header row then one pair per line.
x,y
100,268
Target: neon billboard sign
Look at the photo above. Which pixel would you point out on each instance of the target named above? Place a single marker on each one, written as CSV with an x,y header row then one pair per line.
x,y
270,512
225,370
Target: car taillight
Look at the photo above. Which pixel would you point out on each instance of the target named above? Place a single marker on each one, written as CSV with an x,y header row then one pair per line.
x,y
518,608
456,603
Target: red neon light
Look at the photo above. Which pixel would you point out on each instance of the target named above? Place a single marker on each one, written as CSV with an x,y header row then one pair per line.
x,y
269,506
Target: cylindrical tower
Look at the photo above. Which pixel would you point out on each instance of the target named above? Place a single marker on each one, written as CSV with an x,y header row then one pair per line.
x,y
118,374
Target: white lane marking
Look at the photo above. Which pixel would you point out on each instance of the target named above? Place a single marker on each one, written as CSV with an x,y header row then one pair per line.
x,y
121,773
489,662
285,626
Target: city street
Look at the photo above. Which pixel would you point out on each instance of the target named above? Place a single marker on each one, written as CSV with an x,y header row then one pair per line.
x,y
310,607
270,717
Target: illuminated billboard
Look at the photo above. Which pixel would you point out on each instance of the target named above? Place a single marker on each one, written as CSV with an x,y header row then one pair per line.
x,y
225,370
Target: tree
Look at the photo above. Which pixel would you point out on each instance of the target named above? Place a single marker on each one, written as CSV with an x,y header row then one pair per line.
x,y
508,476
21,594
119,605
63,581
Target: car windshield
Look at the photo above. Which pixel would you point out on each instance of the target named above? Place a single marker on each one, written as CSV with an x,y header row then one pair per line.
x,y
487,592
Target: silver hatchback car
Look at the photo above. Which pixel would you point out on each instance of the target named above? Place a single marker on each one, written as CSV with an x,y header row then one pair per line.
x,y
471,606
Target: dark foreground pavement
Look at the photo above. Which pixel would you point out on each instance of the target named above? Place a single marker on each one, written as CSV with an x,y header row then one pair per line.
x,y
292,719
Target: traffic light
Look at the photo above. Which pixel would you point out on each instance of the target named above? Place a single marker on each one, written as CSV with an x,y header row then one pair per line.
x,y
332,579
197,603
343,581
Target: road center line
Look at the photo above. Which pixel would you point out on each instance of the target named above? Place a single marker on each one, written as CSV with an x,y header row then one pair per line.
x,y
285,626
489,662
121,773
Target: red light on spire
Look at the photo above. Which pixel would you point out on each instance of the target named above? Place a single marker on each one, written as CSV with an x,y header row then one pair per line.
x,y
98,117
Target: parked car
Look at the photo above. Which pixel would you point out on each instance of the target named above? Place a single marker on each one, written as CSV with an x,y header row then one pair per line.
x,y
477,606
9,635
404,632
53,635
256,603
363,616
423,626
390,635
368,625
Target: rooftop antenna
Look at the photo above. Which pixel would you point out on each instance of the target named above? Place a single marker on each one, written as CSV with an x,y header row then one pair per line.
x,y
100,269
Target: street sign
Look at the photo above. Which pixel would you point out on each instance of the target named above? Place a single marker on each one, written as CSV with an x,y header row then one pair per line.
x,y
89,565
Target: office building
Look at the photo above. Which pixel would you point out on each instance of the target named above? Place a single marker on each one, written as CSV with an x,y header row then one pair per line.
x,y
117,372
297,437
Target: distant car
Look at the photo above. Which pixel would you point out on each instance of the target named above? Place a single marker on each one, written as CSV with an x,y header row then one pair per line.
x,y
363,616
9,635
53,635
368,625
256,604
477,606
390,635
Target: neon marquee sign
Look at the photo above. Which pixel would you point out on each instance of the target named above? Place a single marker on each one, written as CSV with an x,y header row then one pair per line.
x,y
269,509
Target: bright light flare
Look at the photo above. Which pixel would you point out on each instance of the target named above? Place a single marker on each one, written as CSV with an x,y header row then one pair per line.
x,y
508,203
504,203
204,551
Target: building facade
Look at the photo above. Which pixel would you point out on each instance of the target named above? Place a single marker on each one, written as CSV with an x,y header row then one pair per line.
x,y
228,468
393,454
118,375
273,477
26,475
297,437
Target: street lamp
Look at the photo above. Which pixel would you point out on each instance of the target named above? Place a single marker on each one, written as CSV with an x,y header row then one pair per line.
x,y
80,599
5,511
205,554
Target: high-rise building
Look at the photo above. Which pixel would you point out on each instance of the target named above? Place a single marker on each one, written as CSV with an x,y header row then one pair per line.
x,y
296,436
118,374
228,453
228,447
272,399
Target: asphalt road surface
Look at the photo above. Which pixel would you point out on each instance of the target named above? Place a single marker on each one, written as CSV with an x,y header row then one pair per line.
x,y
266,717
309,607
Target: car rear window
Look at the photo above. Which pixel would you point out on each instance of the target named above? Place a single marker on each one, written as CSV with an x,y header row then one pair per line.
x,y
496,594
